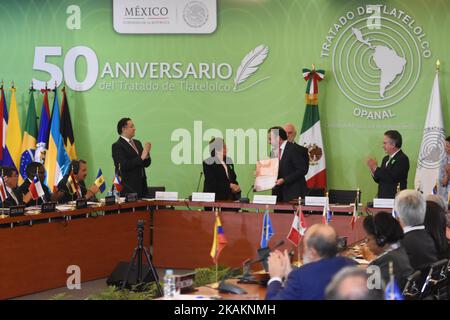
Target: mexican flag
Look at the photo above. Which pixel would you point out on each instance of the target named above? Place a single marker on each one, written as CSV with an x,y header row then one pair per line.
x,y
311,133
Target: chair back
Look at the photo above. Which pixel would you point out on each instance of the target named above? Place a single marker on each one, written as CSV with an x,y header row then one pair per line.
x,y
411,291
343,196
436,282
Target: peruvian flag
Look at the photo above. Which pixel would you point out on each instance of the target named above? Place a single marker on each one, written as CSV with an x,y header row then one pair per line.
x,y
311,133
35,188
298,227
117,183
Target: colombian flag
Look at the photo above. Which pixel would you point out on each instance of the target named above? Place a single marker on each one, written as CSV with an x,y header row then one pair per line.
x,y
219,240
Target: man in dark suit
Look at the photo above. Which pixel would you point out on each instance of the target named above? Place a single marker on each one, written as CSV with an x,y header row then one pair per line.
x,y
393,172
13,195
410,206
220,177
292,168
131,159
32,169
320,264
64,194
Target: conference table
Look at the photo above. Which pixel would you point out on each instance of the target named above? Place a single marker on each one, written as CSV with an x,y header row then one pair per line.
x,y
40,251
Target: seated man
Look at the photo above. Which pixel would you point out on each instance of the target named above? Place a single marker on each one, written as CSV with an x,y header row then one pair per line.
x,y
383,235
32,169
79,169
351,284
320,264
410,206
13,196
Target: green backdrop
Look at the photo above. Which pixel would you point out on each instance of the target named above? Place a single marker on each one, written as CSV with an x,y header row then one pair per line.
x,y
293,30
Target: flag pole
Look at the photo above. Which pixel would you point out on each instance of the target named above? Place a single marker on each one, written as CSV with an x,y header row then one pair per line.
x,y
298,244
3,182
438,65
217,258
37,170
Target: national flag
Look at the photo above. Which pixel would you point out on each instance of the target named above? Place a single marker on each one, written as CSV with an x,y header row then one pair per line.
x,y
219,240
117,182
72,184
36,189
3,192
298,227
66,128
3,122
29,139
57,161
44,130
392,291
326,215
355,211
13,134
311,133
100,181
267,231
432,149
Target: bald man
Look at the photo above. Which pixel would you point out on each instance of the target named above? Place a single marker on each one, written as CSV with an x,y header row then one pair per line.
x,y
320,264
291,132
351,283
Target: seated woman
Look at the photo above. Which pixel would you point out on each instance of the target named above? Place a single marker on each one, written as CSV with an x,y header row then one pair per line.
x,y
436,225
384,234
220,177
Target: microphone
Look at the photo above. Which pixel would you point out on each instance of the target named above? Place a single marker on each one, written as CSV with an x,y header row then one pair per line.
x,y
198,185
246,199
228,287
199,179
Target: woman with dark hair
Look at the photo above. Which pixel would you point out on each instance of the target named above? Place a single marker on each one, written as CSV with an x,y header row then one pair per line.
x,y
436,224
383,239
220,176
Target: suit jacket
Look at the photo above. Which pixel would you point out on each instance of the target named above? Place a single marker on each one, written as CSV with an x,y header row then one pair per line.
x,y
216,179
388,177
293,167
402,267
132,167
10,202
24,189
420,249
309,281
62,186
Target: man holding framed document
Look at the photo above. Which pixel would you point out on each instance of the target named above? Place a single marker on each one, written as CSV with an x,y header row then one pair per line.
x,y
290,162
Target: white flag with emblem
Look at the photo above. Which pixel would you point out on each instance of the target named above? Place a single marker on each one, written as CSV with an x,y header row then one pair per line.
x,y
432,149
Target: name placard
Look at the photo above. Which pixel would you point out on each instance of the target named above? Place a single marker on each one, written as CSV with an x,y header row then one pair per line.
x,y
110,200
16,211
203,196
166,196
81,203
264,199
48,207
383,203
131,197
315,201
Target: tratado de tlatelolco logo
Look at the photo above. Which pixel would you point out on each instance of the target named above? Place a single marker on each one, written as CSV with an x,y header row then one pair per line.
x,y
376,55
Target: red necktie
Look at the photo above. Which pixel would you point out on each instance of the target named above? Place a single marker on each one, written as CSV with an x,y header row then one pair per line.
x,y
134,146
279,154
